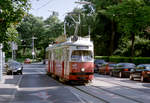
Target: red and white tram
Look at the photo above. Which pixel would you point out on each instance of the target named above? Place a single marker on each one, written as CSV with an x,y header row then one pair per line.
x,y
71,60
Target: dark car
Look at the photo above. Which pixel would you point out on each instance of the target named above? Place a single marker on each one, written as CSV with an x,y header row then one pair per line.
x,y
98,63
14,67
122,69
142,71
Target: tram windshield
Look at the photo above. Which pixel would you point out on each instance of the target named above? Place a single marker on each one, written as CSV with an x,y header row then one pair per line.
x,y
81,55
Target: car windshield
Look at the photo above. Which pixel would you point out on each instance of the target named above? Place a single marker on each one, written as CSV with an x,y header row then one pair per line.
x,y
81,55
147,67
15,64
112,65
99,61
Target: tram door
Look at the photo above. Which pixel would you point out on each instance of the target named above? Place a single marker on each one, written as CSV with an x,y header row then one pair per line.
x,y
66,62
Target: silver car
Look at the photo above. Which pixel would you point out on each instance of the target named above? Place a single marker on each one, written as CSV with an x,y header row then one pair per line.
x,y
14,67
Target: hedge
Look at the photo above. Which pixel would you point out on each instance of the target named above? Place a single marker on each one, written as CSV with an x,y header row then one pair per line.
x,y
117,59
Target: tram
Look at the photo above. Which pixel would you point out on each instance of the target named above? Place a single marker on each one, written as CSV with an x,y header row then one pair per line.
x,y
71,60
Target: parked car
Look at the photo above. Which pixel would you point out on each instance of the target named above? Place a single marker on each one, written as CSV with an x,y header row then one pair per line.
x,y
13,67
27,61
122,69
98,63
105,69
142,71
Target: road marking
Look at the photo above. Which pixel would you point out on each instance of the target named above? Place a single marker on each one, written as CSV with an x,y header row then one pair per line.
x,y
43,95
17,88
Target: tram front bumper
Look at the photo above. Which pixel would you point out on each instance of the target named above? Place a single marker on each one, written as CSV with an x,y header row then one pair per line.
x,y
81,77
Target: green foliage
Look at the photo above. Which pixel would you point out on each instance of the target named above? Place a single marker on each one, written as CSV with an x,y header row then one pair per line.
x,y
11,12
116,25
12,33
141,47
131,16
45,32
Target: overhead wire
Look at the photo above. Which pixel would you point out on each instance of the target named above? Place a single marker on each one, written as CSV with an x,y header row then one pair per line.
x,y
45,4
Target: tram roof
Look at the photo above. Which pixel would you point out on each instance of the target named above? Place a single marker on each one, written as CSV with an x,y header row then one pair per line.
x,y
82,41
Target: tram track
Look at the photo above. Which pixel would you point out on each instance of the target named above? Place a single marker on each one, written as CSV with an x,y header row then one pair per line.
x,y
118,94
141,95
122,97
90,94
88,90
120,85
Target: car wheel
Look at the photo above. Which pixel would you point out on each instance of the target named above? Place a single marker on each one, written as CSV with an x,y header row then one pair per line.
x,y
120,74
142,78
8,73
131,77
21,72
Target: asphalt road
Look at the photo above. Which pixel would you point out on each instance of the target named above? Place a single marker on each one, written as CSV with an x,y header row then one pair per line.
x,y
36,87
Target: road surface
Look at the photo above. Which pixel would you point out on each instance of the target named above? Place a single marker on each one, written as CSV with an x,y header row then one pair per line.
x,y
36,87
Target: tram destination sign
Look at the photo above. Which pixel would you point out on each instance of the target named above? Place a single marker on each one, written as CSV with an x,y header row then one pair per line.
x,y
82,47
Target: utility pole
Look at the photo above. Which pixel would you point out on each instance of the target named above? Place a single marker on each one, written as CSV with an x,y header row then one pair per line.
x,y
33,47
1,62
14,47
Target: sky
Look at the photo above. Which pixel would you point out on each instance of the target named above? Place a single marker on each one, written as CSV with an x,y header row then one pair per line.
x,y
44,8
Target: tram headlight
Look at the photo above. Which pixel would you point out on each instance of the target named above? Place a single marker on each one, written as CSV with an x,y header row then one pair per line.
x,y
82,69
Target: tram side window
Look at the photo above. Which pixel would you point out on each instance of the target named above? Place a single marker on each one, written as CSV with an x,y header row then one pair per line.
x,y
49,57
80,55
58,54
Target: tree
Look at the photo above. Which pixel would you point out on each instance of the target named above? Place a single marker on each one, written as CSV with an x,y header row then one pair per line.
x,y
29,27
132,17
103,27
53,27
44,30
11,12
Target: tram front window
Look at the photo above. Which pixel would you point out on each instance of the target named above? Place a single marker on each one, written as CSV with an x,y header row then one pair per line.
x,y
80,55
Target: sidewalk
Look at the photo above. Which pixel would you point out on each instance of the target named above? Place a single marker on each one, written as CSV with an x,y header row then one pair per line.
x,y
8,87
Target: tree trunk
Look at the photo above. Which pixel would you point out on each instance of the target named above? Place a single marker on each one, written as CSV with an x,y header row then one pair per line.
x,y
132,46
111,47
24,49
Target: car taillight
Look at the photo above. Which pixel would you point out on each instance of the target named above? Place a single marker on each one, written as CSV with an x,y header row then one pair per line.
x,y
148,72
125,69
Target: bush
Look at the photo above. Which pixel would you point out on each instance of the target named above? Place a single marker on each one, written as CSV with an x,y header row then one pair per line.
x,y
117,59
